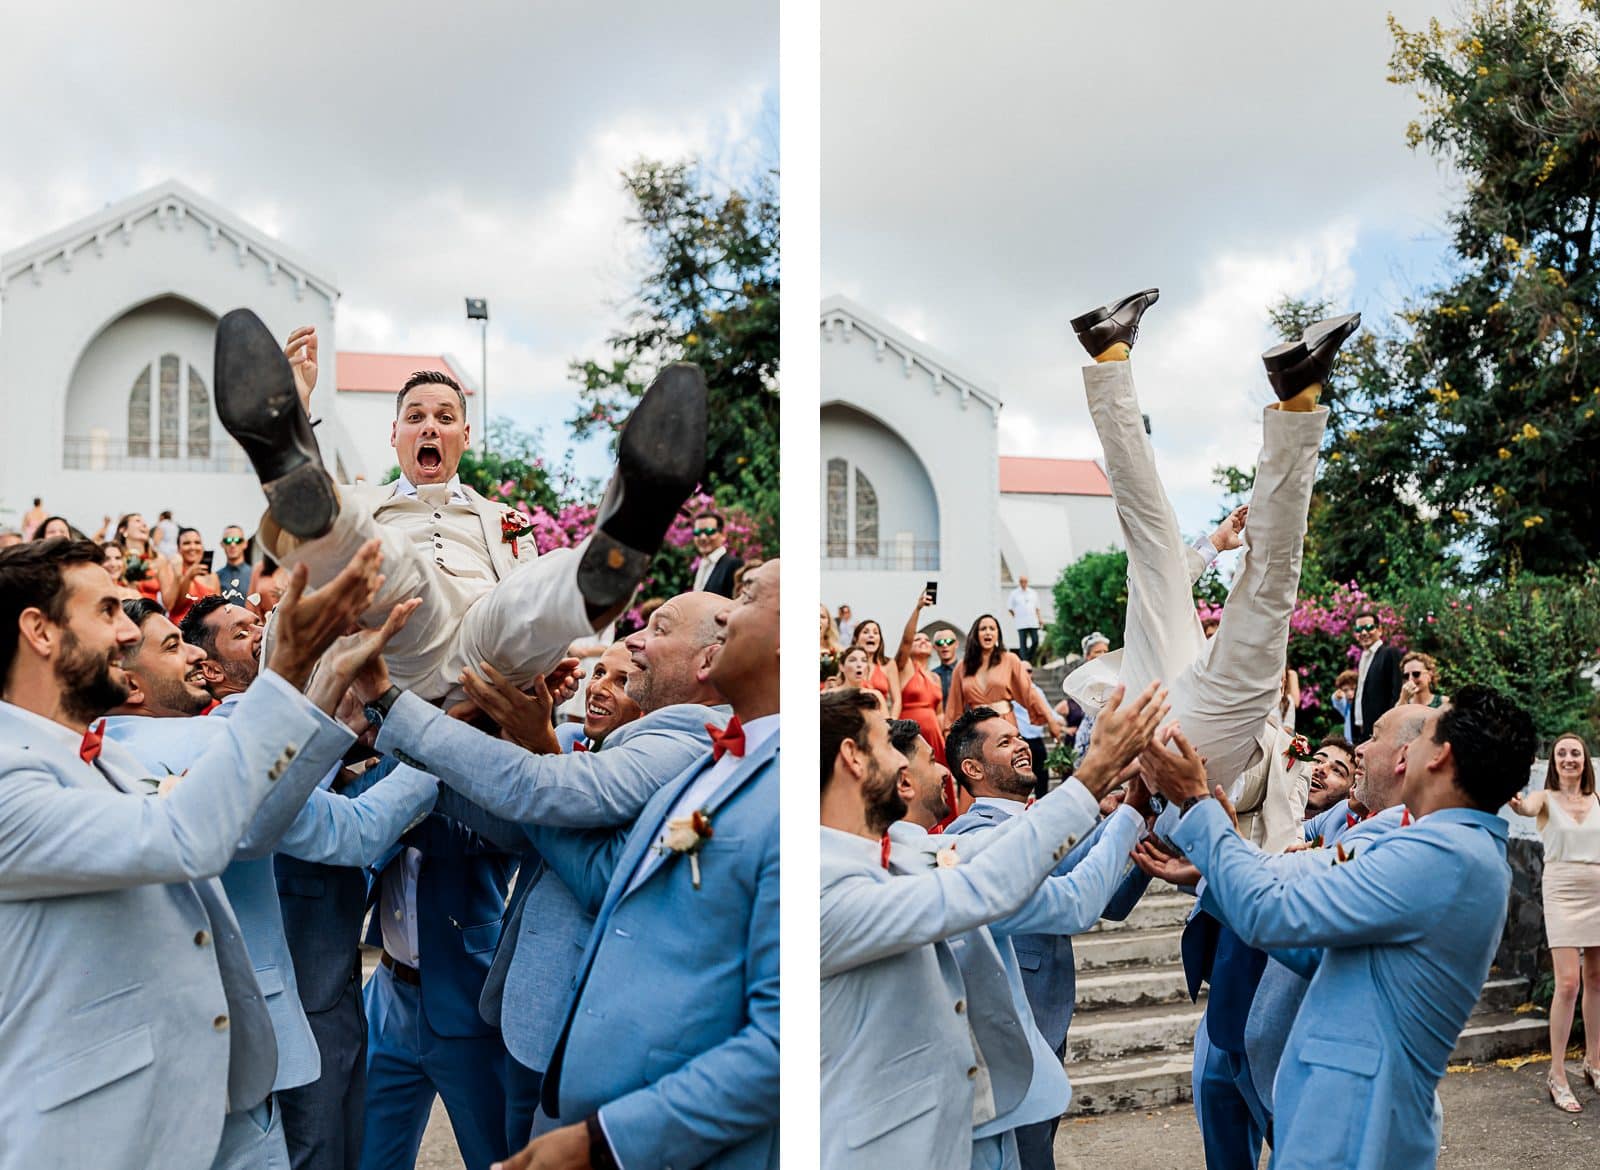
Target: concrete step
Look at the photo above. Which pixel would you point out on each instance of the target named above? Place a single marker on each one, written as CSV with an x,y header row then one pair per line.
x,y
1155,911
1148,1082
1492,1036
1117,1033
1501,994
1159,983
1112,949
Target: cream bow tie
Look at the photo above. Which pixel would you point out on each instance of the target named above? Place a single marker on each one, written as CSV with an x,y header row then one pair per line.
x,y
434,494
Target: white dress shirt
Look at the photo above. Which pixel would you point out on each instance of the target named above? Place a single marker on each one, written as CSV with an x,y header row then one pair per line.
x,y
1367,656
702,573
397,909
458,494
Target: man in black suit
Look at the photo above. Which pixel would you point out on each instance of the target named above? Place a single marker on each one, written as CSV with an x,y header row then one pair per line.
x,y
1377,676
717,564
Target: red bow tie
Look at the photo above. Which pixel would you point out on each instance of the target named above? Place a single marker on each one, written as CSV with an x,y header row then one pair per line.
x,y
579,746
730,739
90,749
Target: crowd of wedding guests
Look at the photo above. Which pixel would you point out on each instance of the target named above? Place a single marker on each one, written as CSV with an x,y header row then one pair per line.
x,y
211,796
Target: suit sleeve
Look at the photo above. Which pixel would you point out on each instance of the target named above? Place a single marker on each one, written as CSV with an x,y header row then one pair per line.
x,y
58,840
1377,897
1072,902
728,1093
584,860
337,830
865,919
578,790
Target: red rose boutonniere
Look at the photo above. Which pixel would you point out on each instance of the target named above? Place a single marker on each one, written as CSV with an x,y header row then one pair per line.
x,y
512,526
1299,751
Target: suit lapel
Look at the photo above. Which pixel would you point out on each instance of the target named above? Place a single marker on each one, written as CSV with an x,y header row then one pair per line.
x,y
489,514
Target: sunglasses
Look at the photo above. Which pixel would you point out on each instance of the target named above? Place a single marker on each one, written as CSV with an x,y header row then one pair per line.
x,y
233,540
1415,673
1364,629
944,641
704,531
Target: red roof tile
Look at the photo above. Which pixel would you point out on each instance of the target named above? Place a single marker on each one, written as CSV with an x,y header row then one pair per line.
x,y
1056,477
385,373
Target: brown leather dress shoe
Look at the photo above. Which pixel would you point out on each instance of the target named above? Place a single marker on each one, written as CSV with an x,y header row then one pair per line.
x,y
1294,365
1100,329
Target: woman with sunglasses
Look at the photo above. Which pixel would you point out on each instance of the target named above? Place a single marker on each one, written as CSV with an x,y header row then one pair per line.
x,y
1419,675
920,697
1567,813
989,675
884,678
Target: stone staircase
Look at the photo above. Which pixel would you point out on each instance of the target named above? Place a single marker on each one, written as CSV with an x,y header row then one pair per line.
x,y
1132,1038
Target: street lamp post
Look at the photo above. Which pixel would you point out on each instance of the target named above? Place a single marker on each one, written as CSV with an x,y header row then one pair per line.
x,y
478,310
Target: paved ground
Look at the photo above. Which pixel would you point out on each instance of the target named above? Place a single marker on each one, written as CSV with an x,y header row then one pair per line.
x,y
1494,1117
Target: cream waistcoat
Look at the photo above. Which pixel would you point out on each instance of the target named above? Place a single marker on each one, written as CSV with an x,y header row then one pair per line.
x,y
451,534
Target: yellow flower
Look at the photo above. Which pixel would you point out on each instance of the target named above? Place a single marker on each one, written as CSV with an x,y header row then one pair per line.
x,y
1504,454
1588,414
1335,457
692,339
1499,492
1483,71
1459,515
1529,431
1532,521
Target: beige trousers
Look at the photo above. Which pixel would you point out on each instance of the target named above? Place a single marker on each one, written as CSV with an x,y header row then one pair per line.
x,y
1221,690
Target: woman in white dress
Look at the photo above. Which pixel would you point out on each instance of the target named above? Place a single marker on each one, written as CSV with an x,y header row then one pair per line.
x,y
1567,813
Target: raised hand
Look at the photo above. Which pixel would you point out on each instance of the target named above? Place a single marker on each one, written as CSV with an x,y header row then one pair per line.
x,y
1228,534
353,655
301,350
1121,732
524,718
1156,862
308,623
1177,772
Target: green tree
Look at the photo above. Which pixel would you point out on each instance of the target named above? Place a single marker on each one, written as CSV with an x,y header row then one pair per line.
x,y
708,293
1091,594
1501,372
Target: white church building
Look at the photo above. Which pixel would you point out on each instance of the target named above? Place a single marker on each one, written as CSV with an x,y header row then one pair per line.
x,y
106,343
914,488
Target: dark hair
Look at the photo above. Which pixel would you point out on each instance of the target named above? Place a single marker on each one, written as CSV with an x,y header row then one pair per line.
x,y
71,528
903,734
181,531
1338,741
972,660
717,516
429,378
31,578
964,741
844,716
195,630
1492,741
878,657
845,653
1366,611
139,611
830,667
1586,785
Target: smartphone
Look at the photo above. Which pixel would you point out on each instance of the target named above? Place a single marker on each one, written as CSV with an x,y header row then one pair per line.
x,y
932,590
207,557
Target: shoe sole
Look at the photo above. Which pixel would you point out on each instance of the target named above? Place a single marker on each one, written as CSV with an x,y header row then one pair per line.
x,y
258,405
661,459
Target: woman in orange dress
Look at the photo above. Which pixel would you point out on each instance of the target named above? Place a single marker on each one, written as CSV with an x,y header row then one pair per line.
x,y
919,691
884,678
194,579
146,569
989,675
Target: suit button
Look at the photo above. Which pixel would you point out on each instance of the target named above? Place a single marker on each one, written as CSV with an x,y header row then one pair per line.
x,y
961,1006
220,1023
1071,841
436,516
972,1073
201,938
290,752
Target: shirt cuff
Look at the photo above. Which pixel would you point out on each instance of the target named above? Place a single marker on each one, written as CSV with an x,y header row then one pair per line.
x,y
611,1145
1205,548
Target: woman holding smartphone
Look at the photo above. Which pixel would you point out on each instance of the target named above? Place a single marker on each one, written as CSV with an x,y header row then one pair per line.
x,y
919,691
195,578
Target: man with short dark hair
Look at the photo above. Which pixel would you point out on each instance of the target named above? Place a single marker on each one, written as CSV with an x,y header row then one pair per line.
x,y
947,648
717,566
1409,925
1377,676
230,637
487,593
163,670
1332,771
233,573
178,1055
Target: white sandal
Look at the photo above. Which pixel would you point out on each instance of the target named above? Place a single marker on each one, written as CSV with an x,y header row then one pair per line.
x,y
1562,1096
1591,1074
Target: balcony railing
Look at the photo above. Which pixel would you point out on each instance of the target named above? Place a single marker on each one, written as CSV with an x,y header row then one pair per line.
x,y
104,453
885,556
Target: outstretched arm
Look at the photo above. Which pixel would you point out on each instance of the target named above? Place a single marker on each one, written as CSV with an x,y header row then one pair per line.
x,y
1072,902
336,830
902,654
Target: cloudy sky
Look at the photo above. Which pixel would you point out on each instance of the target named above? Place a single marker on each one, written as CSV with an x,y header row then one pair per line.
x,y
416,153
990,173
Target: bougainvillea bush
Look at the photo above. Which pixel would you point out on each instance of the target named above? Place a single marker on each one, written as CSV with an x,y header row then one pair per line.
x,y
1322,643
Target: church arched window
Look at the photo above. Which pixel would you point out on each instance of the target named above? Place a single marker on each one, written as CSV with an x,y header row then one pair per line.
x,y
199,416
168,385
139,416
866,516
838,508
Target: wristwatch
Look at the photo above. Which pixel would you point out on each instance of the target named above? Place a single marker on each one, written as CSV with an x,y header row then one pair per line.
x,y
378,710
1188,804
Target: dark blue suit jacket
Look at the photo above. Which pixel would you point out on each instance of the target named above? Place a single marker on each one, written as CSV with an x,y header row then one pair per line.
x,y
461,896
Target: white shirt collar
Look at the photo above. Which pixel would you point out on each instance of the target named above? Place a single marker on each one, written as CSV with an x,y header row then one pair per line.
x,y
758,731
458,494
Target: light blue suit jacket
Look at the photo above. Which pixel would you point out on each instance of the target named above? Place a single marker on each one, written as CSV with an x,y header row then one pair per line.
x,y
898,1062
546,931
109,1045
328,828
1409,926
672,1031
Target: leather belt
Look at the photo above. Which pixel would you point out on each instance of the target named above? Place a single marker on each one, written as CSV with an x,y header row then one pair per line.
x,y
402,971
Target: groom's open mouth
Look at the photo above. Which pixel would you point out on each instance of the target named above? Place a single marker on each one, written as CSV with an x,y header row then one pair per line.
x,y
429,457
